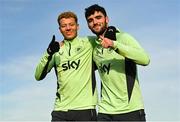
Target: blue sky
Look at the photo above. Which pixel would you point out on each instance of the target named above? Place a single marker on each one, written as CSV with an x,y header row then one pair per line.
x,y
27,26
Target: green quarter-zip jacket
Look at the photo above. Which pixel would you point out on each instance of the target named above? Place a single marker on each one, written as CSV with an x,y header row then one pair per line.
x,y
73,65
120,92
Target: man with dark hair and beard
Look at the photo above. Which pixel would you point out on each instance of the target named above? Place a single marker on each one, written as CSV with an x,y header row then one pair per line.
x,y
116,55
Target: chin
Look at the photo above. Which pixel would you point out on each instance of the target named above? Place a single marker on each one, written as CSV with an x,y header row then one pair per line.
x,y
69,38
95,32
98,32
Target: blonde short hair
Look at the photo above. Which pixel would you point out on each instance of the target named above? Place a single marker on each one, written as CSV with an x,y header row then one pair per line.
x,y
67,14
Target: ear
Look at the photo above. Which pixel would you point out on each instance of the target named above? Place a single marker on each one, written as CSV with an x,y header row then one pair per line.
x,y
107,19
78,27
60,30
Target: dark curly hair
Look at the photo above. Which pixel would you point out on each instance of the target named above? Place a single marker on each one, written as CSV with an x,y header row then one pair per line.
x,y
91,9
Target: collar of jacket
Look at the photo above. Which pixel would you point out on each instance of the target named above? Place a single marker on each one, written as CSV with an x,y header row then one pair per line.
x,y
73,41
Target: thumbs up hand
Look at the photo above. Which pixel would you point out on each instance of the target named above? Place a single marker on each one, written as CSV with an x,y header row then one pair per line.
x,y
53,46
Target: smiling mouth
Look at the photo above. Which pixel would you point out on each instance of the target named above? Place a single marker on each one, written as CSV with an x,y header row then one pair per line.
x,y
69,33
96,27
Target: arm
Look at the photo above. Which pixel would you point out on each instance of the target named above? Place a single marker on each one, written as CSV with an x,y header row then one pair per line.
x,y
125,45
45,65
47,61
128,47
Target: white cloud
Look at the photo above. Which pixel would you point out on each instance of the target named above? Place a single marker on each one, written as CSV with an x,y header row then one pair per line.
x,y
24,97
20,67
161,97
33,102
159,82
14,6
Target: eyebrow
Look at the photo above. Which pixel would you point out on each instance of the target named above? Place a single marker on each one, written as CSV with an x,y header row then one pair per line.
x,y
98,16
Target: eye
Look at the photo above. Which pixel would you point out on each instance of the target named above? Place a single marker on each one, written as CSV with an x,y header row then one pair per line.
x,y
98,17
63,26
72,24
90,20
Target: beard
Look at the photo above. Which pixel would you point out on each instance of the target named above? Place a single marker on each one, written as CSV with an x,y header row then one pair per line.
x,y
102,30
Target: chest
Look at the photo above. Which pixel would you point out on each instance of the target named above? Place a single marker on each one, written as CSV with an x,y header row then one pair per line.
x,y
71,57
108,59
101,54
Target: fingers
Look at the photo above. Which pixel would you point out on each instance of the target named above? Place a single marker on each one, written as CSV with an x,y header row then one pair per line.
x,y
53,39
106,43
53,46
101,37
103,42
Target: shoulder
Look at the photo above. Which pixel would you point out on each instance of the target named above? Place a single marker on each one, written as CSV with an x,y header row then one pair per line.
x,y
88,39
121,35
126,38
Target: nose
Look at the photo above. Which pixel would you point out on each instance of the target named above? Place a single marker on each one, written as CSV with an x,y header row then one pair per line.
x,y
68,27
95,21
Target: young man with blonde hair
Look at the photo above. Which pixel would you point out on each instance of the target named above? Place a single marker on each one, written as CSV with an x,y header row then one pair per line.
x,y
76,96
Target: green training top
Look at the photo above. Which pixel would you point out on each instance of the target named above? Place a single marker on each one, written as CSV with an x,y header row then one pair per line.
x,y
120,92
76,86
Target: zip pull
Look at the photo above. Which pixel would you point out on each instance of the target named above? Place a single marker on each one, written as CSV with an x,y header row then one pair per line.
x,y
69,49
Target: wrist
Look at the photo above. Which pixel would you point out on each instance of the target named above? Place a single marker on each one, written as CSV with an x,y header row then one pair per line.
x,y
49,51
114,46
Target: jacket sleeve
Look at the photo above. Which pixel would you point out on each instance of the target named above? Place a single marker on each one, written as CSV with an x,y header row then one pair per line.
x,y
128,47
45,65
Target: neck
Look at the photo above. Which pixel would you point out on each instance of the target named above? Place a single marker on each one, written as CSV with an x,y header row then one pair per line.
x,y
101,34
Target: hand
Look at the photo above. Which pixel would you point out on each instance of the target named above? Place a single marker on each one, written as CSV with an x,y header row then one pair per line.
x,y
106,43
53,46
109,37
